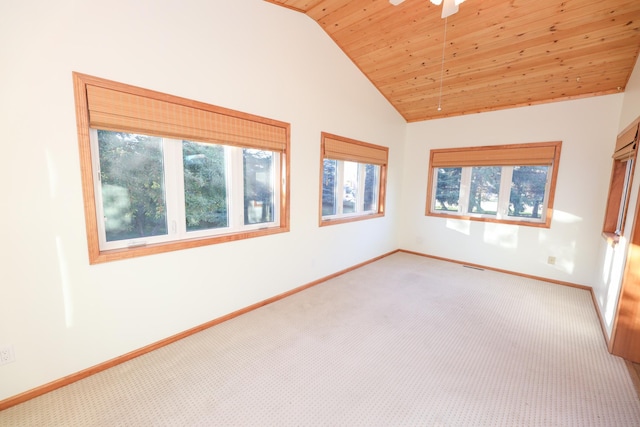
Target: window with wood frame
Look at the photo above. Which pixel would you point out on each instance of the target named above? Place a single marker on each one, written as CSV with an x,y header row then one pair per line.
x,y
512,184
624,159
352,180
163,173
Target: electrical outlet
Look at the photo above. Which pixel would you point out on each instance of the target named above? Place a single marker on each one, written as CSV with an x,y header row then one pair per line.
x,y
7,355
551,260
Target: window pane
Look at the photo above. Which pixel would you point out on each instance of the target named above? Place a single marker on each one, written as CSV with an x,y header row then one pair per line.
x,y
350,189
626,188
484,189
205,186
258,186
448,189
329,187
132,185
371,180
527,191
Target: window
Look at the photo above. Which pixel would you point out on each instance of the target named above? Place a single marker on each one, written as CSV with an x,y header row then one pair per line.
x,y
353,180
507,183
162,173
621,178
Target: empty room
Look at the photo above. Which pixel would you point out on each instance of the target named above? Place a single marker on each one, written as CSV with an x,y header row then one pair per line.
x,y
320,212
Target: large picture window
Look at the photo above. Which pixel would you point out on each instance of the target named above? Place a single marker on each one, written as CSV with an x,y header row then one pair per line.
x,y
353,179
162,173
507,183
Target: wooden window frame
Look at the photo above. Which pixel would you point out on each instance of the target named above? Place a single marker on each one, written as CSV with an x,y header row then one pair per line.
x,y
334,147
532,154
212,124
620,182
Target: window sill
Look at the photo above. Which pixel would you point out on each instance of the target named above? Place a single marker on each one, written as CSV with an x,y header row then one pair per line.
x,y
540,224
611,238
345,219
97,256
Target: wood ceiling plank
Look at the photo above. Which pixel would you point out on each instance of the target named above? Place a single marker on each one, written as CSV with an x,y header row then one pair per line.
x,y
545,42
602,78
531,54
609,72
502,95
499,53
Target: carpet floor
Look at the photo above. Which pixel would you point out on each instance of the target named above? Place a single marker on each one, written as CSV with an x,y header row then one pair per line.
x,y
403,341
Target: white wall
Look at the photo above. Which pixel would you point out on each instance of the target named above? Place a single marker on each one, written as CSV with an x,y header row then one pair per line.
x,y
63,315
607,289
587,129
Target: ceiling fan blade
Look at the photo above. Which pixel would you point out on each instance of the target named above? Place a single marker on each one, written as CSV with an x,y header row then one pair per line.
x,y
449,8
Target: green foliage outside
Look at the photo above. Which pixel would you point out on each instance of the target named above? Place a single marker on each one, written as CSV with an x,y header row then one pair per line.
x,y
258,186
133,188
527,190
485,187
448,189
205,188
131,174
526,195
329,187
370,187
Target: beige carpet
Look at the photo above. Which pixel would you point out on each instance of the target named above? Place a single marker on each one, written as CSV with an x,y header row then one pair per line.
x,y
404,341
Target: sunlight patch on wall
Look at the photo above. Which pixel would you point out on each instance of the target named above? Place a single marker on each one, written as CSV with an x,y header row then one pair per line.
x,y
460,226
563,252
66,286
617,268
565,217
608,264
565,264
499,235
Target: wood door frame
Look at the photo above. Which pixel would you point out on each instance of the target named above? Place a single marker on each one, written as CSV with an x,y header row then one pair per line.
x,y
625,337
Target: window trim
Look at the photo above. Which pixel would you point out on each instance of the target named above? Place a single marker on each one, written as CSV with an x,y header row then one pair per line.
x,y
622,171
81,83
535,153
334,147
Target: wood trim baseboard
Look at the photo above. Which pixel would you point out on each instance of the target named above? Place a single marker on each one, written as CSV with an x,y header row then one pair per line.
x,y
514,273
61,382
603,326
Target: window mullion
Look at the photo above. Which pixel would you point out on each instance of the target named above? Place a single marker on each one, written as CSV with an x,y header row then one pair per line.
x,y
504,194
360,188
235,193
625,195
434,190
174,187
339,187
465,189
276,177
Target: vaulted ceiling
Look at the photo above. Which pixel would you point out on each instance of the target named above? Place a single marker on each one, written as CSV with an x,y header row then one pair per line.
x,y
497,53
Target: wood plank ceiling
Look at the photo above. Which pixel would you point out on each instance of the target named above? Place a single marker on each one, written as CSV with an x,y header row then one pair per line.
x,y
498,53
